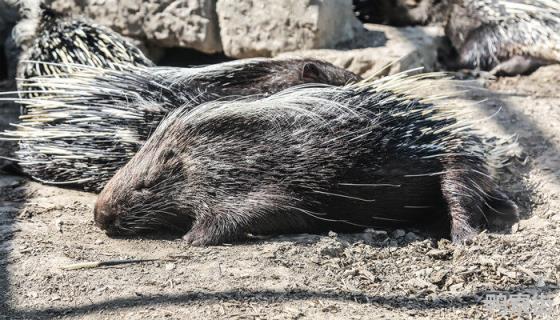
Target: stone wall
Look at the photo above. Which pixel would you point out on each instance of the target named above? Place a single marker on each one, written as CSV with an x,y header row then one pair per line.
x,y
166,23
251,28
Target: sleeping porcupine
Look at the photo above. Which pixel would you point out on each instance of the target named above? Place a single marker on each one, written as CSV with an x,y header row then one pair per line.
x,y
91,121
507,37
307,159
92,98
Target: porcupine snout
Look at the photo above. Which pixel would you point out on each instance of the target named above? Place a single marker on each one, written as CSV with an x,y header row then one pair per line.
x,y
104,218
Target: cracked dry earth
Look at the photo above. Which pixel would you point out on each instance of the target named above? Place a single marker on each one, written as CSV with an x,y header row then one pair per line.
x,y
395,274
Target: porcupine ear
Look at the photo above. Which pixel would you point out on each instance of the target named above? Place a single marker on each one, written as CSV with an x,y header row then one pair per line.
x,y
312,73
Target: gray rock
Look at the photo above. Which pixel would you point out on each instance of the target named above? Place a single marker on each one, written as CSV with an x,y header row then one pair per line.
x,y
167,23
331,247
439,254
411,236
384,50
8,16
251,28
9,113
399,233
438,277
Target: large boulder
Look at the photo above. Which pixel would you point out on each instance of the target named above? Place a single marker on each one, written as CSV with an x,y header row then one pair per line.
x,y
166,23
384,50
251,28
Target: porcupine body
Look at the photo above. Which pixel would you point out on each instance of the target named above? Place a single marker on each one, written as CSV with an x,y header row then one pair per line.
x,y
307,159
93,120
507,37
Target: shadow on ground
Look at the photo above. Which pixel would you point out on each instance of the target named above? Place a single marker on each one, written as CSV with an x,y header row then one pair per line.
x,y
263,296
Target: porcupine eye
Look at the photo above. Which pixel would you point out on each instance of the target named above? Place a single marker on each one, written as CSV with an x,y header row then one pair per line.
x,y
141,186
149,179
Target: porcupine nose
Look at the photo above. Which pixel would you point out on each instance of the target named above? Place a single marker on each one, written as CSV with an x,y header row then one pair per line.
x,y
102,217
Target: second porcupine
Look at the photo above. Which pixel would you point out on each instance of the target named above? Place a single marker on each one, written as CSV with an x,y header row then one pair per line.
x,y
95,119
507,37
308,159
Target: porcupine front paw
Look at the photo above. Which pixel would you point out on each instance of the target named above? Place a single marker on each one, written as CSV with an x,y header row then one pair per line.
x,y
198,237
207,233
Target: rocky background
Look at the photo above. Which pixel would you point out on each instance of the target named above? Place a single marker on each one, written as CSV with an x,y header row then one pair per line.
x,y
378,274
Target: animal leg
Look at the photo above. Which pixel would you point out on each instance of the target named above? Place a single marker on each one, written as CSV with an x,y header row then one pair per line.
x,y
518,65
463,185
213,230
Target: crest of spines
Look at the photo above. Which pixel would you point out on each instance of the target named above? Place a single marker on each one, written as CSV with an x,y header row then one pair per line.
x,y
498,10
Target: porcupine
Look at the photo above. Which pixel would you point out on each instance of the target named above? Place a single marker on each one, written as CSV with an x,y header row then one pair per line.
x,y
307,159
507,37
93,120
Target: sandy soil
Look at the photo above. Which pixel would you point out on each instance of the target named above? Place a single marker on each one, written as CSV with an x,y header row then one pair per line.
x,y
376,275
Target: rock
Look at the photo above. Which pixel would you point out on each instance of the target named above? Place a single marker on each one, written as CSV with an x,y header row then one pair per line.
x,y
377,233
331,247
456,287
8,12
10,182
8,16
167,23
411,236
9,113
399,233
385,50
485,261
420,284
59,223
438,277
505,272
439,254
251,28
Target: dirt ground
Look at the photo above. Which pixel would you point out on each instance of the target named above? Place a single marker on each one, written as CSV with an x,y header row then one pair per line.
x,y
397,274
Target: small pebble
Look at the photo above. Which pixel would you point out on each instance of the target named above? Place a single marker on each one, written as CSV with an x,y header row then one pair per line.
x,y
438,254
399,233
411,236
58,223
